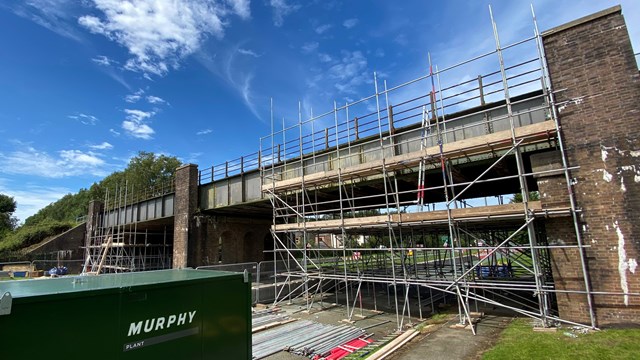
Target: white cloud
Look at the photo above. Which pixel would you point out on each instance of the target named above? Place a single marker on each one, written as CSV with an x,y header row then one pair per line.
x,y
310,47
323,28
138,130
104,146
132,98
248,52
135,97
158,34
324,57
138,115
114,132
350,72
31,198
282,9
155,100
30,161
77,158
85,119
103,60
349,23
204,132
241,8
135,125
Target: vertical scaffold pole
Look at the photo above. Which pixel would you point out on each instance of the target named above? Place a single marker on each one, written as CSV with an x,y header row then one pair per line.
x,y
542,295
546,83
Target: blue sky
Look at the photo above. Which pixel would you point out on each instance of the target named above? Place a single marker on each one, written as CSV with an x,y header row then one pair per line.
x,y
86,84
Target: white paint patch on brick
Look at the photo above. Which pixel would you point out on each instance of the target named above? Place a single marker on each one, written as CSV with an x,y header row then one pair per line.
x,y
603,154
606,176
622,187
623,265
636,178
634,153
633,265
607,227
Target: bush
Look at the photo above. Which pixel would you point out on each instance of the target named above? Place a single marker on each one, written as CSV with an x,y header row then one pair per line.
x,y
32,234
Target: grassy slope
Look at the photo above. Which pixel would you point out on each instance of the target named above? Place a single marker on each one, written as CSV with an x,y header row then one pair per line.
x,y
518,341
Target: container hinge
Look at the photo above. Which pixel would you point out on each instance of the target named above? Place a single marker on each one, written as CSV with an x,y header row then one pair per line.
x,y
5,304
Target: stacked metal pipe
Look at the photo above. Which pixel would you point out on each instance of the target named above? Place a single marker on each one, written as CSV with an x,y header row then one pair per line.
x,y
264,317
303,337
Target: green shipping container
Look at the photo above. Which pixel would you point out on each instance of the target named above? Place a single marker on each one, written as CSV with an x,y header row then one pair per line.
x,y
166,314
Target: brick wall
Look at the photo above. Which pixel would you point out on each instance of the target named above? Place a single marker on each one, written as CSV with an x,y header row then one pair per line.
x,y
595,76
196,236
185,205
242,239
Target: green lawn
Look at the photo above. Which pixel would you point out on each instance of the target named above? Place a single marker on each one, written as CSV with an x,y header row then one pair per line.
x,y
519,341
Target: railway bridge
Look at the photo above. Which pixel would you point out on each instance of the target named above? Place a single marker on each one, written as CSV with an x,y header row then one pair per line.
x,y
521,179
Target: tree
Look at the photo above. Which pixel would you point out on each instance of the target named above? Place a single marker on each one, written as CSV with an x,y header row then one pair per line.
x,y
144,173
517,197
8,205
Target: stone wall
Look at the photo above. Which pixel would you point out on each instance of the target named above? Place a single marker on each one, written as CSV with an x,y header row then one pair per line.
x,y
595,76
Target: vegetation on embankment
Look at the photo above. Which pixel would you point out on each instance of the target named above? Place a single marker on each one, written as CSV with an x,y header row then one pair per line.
x,y
144,172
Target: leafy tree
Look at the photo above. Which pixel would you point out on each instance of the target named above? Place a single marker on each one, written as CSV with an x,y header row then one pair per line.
x,y
8,205
517,198
145,172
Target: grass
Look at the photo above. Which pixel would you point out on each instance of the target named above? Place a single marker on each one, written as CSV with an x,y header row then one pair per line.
x,y
519,341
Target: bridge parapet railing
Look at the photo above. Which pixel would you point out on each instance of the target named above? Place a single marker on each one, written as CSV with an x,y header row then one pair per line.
x,y
230,168
412,116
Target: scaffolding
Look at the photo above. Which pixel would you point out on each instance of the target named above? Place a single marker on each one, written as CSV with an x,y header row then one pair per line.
x,y
117,242
411,182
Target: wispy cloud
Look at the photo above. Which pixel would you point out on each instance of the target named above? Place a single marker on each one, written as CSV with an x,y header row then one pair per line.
x,y
282,9
349,23
323,28
135,124
30,197
248,52
65,163
242,8
114,132
54,15
85,119
159,34
155,100
204,132
104,146
135,97
103,60
192,158
309,47
224,65
325,57
350,72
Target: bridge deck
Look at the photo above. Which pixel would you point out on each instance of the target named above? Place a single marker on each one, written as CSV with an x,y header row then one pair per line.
x,y
529,134
483,213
